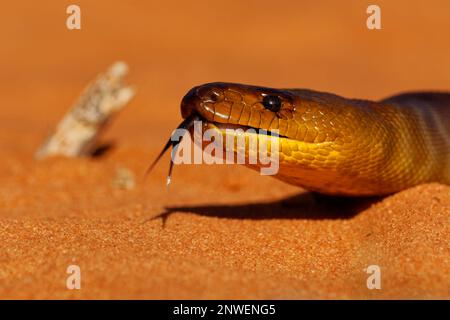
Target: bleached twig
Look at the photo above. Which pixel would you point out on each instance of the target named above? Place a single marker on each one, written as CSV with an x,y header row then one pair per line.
x,y
78,130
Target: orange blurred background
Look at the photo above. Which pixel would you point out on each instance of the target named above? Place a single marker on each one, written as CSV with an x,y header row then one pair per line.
x,y
173,45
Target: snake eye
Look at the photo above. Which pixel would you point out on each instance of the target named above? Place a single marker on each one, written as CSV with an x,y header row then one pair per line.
x,y
272,103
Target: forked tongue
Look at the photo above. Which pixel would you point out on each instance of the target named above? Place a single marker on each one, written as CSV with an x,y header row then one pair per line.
x,y
186,124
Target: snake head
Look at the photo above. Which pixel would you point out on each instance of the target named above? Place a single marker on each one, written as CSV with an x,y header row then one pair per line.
x,y
240,105
318,134
322,141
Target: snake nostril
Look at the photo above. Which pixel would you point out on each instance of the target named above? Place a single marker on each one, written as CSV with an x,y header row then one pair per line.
x,y
210,93
199,99
212,96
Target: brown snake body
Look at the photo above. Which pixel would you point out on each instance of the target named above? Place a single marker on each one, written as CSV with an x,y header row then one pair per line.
x,y
334,145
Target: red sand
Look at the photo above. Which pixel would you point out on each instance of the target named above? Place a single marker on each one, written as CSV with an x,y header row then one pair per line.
x,y
231,233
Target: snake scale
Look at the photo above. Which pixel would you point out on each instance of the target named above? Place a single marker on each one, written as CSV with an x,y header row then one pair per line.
x,y
334,145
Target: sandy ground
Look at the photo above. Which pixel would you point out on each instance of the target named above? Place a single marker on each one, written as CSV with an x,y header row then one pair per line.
x,y
220,231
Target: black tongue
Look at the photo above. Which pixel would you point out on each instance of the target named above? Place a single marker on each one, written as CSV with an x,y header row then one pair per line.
x,y
186,124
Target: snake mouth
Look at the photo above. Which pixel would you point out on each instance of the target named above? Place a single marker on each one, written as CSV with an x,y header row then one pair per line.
x,y
189,124
229,126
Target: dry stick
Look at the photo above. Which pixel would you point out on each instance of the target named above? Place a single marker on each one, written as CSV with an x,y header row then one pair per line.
x,y
78,130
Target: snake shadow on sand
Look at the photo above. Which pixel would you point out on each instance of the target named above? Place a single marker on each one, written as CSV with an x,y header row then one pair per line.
x,y
306,205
